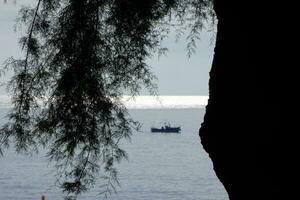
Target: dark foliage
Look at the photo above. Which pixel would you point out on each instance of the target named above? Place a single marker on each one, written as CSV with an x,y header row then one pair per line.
x,y
80,57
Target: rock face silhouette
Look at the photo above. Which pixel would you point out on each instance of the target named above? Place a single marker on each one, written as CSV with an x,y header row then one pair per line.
x,y
241,112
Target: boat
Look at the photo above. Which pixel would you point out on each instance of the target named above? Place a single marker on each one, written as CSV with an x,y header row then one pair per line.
x,y
166,129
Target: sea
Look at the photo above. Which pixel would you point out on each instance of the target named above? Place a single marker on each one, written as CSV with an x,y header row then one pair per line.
x,y
160,166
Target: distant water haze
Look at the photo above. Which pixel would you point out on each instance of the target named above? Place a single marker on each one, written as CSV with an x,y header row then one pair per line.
x,y
146,102
160,102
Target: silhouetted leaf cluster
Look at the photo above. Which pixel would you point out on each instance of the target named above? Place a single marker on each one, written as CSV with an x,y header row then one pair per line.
x,y
80,57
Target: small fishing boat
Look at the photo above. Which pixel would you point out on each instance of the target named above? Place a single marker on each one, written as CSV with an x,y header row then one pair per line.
x,y
166,129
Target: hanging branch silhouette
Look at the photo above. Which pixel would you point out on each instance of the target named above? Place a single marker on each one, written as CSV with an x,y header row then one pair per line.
x,y
80,57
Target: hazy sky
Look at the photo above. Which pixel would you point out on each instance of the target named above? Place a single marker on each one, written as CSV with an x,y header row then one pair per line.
x,y
177,74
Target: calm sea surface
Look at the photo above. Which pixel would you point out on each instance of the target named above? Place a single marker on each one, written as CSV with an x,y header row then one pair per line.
x,y
160,166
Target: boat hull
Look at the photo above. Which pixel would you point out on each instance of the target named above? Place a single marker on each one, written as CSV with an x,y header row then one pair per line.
x,y
166,130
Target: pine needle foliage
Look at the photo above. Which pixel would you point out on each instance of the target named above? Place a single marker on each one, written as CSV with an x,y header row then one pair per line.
x,y
79,58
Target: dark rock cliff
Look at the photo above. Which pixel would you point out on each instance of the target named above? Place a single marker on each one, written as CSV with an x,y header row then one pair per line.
x,y
241,113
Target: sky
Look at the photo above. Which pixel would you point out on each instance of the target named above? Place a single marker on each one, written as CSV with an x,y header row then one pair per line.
x,y
177,74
